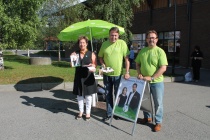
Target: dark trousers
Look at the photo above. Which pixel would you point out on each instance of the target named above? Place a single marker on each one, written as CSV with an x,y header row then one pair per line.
x,y
196,73
110,82
131,63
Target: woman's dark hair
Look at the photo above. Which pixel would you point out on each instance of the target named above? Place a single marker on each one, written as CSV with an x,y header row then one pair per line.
x,y
82,37
197,47
124,88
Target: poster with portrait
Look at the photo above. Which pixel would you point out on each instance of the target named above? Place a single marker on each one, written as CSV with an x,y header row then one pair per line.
x,y
129,98
75,61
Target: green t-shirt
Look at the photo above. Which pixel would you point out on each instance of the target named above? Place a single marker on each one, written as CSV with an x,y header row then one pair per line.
x,y
150,60
112,54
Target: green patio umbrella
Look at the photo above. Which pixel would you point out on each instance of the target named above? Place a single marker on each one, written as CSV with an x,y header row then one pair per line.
x,y
96,29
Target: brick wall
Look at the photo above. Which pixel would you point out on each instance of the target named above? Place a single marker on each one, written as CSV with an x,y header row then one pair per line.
x,y
163,20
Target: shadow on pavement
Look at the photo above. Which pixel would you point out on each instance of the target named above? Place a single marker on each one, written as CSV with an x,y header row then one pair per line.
x,y
67,105
208,106
52,105
38,83
98,111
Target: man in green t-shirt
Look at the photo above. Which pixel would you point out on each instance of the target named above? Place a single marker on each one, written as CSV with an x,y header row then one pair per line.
x,y
111,55
151,63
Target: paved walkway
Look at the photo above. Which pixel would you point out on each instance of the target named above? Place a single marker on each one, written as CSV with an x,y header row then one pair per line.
x,y
50,114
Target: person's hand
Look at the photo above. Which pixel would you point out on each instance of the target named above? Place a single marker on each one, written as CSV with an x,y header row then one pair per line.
x,y
140,77
103,66
74,53
147,78
127,76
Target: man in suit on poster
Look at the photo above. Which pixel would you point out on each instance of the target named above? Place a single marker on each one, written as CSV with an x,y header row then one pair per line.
x,y
133,99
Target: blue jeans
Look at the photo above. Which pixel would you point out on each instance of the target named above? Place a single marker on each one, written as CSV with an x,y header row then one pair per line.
x,y
110,82
157,91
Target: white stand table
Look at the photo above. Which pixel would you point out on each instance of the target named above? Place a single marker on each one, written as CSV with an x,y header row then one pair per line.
x,y
95,95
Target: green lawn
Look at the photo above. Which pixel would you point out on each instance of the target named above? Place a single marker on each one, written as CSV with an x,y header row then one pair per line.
x,y
18,70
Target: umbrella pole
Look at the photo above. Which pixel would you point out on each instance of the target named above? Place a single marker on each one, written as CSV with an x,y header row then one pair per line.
x,y
91,41
91,44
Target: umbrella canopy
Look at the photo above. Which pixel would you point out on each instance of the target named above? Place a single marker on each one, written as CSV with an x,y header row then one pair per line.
x,y
91,28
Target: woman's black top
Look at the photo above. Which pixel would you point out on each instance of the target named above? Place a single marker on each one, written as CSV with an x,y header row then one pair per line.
x,y
196,62
122,100
84,81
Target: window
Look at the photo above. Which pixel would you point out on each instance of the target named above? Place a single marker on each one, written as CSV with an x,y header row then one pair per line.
x,y
138,41
166,42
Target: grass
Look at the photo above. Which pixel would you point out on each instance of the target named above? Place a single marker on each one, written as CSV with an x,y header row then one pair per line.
x,y
18,70
129,114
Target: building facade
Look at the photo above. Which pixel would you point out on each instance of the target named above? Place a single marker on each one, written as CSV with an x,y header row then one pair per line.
x,y
187,19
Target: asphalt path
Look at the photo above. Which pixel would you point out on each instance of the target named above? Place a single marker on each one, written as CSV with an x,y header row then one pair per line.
x,y
50,114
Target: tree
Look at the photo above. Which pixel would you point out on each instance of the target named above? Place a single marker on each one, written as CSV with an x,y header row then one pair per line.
x,y
67,12
119,12
59,14
19,22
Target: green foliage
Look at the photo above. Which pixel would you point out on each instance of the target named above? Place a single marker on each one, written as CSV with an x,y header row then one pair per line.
x,y
21,26
19,23
59,15
115,11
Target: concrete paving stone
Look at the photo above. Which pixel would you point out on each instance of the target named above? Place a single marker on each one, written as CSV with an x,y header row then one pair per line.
x,y
9,87
68,85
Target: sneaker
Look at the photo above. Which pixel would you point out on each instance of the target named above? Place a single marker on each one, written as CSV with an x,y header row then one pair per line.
x,y
144,120
106,118
157,127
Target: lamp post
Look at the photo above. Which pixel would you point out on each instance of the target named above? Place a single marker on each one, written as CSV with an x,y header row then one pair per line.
x,y
174,49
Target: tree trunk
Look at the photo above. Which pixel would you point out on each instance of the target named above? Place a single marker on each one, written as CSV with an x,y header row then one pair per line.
x,y
59,53
1,61
28,53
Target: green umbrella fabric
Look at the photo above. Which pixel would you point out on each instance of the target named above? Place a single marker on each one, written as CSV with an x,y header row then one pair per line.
x,y
91,28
